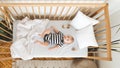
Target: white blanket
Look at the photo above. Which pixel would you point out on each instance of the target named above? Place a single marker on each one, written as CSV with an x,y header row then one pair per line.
x,y
25,48
24,37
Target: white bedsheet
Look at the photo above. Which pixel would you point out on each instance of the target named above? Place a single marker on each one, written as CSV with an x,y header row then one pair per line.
x,y
25,48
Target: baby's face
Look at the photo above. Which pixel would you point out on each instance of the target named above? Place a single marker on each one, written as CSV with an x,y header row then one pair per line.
x,y
68,39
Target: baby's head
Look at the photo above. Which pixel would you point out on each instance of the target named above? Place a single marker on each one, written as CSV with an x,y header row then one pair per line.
x,y
68,39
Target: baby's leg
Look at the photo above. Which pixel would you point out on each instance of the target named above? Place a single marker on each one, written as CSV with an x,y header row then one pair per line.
x,y
47,31
42,43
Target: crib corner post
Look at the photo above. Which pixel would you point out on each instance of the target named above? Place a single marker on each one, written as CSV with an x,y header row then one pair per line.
x,y
108,32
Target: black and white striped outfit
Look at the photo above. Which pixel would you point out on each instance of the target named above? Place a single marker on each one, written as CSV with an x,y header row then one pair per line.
x,y
54,38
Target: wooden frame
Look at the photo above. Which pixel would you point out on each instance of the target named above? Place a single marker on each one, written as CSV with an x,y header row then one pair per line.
x,y
102,7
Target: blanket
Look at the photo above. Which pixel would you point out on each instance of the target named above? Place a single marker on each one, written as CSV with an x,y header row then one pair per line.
x,y
25,33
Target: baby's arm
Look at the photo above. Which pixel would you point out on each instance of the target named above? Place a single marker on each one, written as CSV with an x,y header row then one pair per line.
x,y
42,43
55,47
47,31
55,29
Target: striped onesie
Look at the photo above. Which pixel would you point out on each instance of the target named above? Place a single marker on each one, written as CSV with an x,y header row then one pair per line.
x,y
54,38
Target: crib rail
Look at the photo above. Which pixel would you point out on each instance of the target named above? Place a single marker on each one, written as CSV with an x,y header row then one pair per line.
x,y
66,11
102,32
45,10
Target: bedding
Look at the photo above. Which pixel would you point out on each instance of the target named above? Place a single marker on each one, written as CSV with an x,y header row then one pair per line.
x,y
81,21
86,37
84,30
24,47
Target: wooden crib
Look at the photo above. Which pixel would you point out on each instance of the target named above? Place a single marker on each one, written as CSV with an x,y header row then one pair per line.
x,y
14,11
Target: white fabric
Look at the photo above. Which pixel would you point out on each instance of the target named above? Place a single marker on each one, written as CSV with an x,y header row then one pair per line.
x,y
23,44
20,47
81,20
92,20
86,37
37,50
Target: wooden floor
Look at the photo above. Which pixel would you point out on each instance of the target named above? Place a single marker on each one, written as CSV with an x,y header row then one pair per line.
x,y
4,55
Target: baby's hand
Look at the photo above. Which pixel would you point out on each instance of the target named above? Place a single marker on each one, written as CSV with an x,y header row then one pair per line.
x,y
50,48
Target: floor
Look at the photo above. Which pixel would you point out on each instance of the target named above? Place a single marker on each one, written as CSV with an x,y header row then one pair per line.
x,y
4,54
42,64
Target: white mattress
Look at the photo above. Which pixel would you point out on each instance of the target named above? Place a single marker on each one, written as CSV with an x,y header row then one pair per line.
x,y
65,51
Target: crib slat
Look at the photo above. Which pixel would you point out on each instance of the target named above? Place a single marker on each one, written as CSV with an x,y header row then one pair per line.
x,y
100,34
56,12
98,52
102,21
5,31
100,40
21,11
61,12
10,12
108,32
50,12
39,11
96,12
1,17
6,16
87,11
66,13
5,25
6,36
99,29
33,12
99,16
27,12
15,11
44,12
73,13
100,46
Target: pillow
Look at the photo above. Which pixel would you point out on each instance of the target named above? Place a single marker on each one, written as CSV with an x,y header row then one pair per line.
x,y
92,20
85,37
81,20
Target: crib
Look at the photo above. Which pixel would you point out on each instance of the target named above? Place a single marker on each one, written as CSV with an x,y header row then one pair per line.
x,y
14,11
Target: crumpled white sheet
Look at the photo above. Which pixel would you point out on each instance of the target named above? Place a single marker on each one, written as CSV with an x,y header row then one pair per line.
x,y
25,31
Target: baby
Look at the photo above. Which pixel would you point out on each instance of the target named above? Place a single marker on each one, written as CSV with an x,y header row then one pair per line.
x,y
54,38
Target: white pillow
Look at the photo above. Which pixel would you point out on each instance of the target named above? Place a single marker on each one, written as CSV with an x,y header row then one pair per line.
x,y
81,20
92,20
85,37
